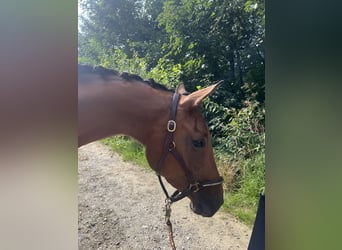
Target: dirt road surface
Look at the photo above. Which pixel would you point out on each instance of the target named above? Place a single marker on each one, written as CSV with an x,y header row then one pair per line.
x,y
121,206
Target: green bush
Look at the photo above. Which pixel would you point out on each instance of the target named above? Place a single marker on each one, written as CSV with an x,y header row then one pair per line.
x,y
244,134
239,146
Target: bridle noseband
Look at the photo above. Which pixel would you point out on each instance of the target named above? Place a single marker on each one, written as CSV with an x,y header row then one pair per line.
x,y
170,147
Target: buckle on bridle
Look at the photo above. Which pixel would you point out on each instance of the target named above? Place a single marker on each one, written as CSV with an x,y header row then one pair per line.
x,y
172,146
171,126
194,187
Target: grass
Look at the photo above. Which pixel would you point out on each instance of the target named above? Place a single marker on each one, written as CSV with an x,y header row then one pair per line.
x,y
129,149
244,180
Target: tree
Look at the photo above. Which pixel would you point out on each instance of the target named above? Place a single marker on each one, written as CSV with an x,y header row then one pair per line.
x,y
128,25
197,41
216,40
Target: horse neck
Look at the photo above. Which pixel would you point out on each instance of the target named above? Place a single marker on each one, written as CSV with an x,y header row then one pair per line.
x,y
111,108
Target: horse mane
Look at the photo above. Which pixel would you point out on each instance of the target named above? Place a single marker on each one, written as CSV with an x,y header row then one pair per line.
x,y
106,73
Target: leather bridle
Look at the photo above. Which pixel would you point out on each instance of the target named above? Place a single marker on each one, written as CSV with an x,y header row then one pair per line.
x,y
170,147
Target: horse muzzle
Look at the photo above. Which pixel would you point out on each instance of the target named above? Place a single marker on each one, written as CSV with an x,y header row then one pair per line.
x,y
205,203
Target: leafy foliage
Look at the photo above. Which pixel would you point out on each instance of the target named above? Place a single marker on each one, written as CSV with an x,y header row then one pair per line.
x,y
243,135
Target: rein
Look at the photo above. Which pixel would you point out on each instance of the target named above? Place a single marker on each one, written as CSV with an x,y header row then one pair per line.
x,y
170,147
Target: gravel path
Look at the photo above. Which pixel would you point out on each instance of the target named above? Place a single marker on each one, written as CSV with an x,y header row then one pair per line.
x,y
121,207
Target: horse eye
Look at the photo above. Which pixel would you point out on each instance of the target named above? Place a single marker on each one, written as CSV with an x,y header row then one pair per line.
x,y
198,143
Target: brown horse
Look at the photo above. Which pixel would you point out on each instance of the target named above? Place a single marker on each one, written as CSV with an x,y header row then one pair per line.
x,y
169,125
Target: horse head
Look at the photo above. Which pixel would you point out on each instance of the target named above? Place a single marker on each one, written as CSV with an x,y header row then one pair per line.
x,y
187,158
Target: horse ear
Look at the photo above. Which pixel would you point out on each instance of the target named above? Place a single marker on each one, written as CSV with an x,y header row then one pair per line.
x,y
181,89
195,98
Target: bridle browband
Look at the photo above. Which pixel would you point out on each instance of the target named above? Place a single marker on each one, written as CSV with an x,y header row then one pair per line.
x,y
170,147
